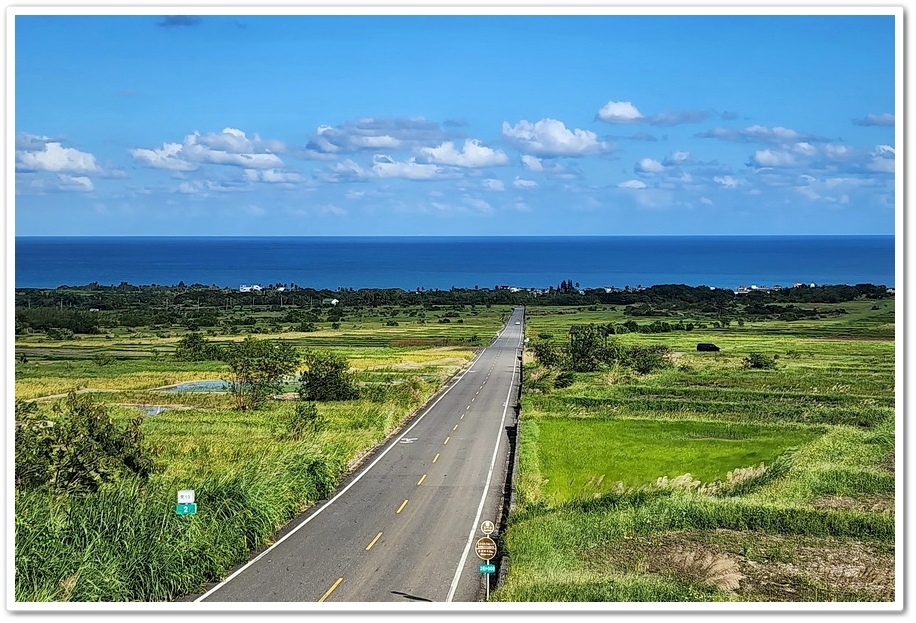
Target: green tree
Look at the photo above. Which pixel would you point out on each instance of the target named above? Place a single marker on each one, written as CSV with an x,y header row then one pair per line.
x,y
547,354
326,377
194,347
256,368
79,449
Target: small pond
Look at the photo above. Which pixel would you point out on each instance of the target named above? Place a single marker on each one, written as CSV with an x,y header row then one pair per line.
x,y
199,386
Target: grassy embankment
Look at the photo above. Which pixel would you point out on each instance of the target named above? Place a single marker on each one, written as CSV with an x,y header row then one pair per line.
x,y
125,542
790,493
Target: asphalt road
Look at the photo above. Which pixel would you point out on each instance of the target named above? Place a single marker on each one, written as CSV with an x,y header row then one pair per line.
x,y
403,528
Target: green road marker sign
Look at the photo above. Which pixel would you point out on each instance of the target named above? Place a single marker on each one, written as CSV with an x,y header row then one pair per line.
x,y
188,508
486,567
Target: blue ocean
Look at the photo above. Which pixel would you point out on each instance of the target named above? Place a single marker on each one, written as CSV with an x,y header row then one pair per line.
x,y
455,262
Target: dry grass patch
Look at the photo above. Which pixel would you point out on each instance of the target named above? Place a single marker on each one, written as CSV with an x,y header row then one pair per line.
x,y
757,567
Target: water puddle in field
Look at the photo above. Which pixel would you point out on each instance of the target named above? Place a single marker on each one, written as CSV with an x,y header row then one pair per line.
x,y
154,410
199,386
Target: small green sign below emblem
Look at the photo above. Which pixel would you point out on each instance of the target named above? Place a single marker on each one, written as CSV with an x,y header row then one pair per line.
x,y
188,508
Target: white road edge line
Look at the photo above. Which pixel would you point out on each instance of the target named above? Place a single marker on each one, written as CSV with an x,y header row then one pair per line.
x,y
395,441
486,489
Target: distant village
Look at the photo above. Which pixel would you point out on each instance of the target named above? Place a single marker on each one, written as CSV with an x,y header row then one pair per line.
x,y
544,291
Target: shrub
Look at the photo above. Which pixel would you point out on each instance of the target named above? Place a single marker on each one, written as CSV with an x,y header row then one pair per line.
x,y
757,361
327,376
79,450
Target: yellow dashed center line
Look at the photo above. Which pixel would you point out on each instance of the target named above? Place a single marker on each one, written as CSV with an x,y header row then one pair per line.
x,y
446,440
377,537
331,590
435,458
400,508
456,427
422,478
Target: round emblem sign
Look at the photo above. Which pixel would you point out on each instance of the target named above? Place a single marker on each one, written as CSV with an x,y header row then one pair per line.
x,y
487,527
485,548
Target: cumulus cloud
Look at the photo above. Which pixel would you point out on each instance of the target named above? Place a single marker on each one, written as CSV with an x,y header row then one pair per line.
x,y
884,119
626,112
550,138
533,162
773,158
619,112
473,154
75,183
760,134
385,166
637,184
493,184
229,147
54,157
165,158
648,166
523,183
374,134
727,181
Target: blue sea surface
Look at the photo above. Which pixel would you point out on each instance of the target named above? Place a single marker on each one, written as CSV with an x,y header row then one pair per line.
x,y
443,263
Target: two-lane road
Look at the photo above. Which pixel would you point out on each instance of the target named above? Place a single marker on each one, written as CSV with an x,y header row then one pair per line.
x,y
404,527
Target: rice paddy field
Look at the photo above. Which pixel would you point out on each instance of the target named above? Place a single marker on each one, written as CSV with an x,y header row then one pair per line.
x,y
708,481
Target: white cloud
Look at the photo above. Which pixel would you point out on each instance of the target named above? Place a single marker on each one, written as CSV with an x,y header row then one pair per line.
x,y
648,166
80,183
619,112
727,181
374,134
385,166
165,158
550,138
773,158
523,183
229,147
493,184
473,154
631,184
532,162
55,158
626,112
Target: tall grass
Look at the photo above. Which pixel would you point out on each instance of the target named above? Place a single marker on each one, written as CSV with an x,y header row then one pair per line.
x,y
126,543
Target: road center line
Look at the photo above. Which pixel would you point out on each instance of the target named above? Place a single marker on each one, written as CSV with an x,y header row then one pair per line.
x,y
436,458
377,537
456,427
446,440
403,504
422,478
331,590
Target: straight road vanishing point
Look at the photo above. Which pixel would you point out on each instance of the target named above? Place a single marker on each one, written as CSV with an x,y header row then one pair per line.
x,y
403,528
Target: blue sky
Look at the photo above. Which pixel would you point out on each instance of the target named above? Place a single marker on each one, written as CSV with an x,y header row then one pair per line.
x,y
454,125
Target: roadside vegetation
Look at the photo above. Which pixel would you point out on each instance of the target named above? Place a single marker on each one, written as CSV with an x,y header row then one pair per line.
x,y
648,471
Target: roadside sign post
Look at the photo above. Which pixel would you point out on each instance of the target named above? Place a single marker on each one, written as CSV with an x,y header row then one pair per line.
x,y
486,550
185,505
